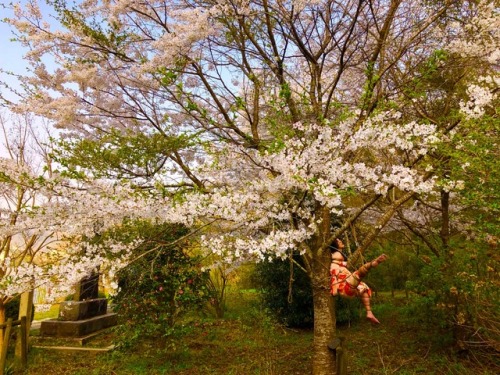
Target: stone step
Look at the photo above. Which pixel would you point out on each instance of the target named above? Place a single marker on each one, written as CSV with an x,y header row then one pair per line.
x,y
81,341
75,348
77,329
84,340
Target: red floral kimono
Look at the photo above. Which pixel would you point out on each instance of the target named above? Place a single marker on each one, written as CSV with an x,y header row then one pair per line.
x,y
339,284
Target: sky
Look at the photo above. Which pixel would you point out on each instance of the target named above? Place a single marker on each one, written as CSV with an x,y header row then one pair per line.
x,y
11,59
11,52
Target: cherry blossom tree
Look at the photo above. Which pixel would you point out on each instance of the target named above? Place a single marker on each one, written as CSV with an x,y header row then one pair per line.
x,y
19,249
279,125
45,219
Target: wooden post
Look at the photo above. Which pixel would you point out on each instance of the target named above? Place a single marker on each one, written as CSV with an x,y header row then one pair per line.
x,y
341,358
24,342
3,354
25,310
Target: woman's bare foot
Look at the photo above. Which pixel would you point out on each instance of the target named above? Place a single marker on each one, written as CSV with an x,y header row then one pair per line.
x,y
380,259
371,317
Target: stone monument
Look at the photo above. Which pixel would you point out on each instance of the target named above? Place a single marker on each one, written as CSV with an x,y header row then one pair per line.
x,y
86,314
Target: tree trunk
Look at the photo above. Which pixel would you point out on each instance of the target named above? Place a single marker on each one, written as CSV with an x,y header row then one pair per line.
x,y
2,321
324,316
445,222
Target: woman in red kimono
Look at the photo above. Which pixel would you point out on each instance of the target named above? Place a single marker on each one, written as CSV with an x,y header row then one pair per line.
x,y
348,284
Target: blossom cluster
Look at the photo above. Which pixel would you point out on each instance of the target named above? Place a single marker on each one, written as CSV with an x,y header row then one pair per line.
x,y
45,220
265,202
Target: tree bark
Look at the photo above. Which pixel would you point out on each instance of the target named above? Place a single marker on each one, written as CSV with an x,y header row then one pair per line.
x,y
445,221
2,321
324,315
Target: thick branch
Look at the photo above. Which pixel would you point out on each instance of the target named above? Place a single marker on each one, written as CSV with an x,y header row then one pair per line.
x,y
381,223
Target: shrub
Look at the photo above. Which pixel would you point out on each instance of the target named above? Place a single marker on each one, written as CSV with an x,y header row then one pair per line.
x,y
347,310
273,278
12,309
457,295
160,286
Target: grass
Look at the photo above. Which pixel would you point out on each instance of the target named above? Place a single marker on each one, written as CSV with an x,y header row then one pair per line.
x,y
49,314
247,342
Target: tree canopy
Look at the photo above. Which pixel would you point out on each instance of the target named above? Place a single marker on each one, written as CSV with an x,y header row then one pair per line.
x,y
273,126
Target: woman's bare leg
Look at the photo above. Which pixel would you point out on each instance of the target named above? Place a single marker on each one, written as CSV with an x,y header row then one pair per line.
x,y
354,278
365,299
365,268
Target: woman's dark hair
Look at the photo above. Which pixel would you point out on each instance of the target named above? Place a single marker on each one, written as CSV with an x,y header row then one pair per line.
x,y
333,248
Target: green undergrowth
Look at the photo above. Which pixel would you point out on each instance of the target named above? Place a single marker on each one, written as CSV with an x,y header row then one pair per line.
x,y
247,341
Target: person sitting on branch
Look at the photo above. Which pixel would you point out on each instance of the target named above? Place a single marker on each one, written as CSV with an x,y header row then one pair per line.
x,y
348,284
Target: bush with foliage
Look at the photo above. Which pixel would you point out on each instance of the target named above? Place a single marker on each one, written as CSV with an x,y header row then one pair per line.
x,y
159,286
347,310
12,309
294,309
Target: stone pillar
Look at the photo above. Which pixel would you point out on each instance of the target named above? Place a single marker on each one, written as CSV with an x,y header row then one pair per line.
x,y
88,288
86,302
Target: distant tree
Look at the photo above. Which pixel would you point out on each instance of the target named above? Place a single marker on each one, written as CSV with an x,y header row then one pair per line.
x,y
44,218
457,233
